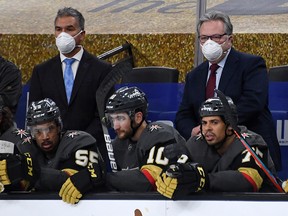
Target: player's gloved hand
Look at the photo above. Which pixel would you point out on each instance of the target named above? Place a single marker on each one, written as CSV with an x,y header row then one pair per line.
x,y
2,188
81,182
69,193
285,186
182,179
14,168
4,178
174,151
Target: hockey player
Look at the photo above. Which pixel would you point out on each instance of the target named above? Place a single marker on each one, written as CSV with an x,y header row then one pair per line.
x,y
226,165
9,137
52,160
138,146
9,134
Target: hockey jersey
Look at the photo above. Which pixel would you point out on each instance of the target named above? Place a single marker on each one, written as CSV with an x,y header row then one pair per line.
x,y
140,162
236,170
75,150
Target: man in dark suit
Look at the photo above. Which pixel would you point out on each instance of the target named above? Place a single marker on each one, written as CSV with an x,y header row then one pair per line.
x,y
241,76
79,112
10,84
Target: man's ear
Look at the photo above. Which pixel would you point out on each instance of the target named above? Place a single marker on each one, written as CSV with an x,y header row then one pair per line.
x,y
231,38
230,130
138,117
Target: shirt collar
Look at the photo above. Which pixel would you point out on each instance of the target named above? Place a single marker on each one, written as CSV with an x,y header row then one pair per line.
x,y
222,62
77,56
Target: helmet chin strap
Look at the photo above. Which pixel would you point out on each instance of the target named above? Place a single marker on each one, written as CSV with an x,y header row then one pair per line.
x,y
134,129
220,144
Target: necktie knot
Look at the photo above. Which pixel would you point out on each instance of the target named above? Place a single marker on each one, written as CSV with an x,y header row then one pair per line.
x,y
69,61
214,68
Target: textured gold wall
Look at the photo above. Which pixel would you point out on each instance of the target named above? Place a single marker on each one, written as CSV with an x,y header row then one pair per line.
x,y
172,50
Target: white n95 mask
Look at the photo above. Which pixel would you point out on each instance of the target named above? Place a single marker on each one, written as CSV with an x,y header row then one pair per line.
x,y
65,42
212,50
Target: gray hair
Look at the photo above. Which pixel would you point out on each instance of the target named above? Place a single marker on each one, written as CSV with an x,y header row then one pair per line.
x,y
69,11
216,15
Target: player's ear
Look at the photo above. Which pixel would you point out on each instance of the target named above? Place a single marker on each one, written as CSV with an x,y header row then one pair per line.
x,y
138,117
230,130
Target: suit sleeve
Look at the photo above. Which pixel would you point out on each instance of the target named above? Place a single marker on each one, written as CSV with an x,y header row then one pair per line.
x,y
185,118
95,127
35,92
95,123
10,84
254,90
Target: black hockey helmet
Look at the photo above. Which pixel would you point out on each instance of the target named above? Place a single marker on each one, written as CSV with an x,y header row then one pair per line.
x,y
128,99
214,107
43,111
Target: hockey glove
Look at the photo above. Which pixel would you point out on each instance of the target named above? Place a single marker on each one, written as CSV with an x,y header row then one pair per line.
x,y
182,179
81,182
2,188
285,186
174,152
14,168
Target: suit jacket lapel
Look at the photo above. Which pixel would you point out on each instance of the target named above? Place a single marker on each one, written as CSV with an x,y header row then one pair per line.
x,y
200,89
81,73
202,84
229,70
58,78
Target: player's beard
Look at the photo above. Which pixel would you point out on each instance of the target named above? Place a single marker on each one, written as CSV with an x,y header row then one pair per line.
x,y
124,134
212,140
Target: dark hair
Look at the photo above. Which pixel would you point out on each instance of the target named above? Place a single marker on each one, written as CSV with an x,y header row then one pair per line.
x,y
69,11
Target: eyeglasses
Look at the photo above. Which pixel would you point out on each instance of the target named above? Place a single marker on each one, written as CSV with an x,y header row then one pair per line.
x,y
216,37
